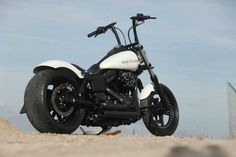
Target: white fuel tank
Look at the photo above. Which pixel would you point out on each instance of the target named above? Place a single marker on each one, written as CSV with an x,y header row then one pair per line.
x,y
125,60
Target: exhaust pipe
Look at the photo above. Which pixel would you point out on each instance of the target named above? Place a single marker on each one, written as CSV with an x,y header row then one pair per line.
x,y
120,114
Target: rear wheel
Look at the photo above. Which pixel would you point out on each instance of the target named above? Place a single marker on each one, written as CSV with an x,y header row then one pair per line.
x,y
49,98
161,120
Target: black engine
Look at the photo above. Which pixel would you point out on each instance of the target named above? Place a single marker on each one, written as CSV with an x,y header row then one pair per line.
x,y
117,98
126,81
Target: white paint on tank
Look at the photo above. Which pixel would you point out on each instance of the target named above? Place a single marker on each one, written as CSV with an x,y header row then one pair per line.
x,y
125,60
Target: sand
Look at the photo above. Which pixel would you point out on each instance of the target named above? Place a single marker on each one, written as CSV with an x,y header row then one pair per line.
x,y
14,143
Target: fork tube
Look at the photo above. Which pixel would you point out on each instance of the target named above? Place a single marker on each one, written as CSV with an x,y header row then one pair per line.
x,y
154,79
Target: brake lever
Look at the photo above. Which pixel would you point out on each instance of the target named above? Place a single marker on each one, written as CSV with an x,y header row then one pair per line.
x,y
100,30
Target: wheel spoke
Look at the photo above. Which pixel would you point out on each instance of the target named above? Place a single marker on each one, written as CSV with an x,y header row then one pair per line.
x,y
161,119
49,101
53,114
49,93
59,118
156,118
167,113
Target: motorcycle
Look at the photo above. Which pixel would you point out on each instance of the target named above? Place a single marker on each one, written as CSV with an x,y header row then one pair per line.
x,y
61,96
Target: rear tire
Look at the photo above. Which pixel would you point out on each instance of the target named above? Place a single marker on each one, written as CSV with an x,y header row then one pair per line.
x,y
154,119
38,100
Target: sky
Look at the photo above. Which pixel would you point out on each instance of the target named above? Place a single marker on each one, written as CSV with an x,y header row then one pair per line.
x,y
192,46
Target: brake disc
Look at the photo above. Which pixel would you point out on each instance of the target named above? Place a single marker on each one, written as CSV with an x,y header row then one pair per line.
x,y
58,100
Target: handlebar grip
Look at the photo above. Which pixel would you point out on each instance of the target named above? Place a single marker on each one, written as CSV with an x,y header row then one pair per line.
x,y
141,17
92,34
101,29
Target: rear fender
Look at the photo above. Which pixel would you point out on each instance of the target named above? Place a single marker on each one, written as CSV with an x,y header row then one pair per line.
x,y
57,64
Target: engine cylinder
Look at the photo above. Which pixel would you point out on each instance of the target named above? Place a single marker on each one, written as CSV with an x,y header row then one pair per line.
x,y
127,80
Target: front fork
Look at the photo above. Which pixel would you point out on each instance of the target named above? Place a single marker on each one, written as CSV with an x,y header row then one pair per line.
x,y
160,91
154,79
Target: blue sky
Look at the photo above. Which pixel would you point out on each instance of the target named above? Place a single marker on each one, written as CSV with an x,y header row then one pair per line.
x,y
192,44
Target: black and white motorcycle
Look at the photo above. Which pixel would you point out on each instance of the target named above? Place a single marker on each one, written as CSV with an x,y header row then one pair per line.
x,y
62,96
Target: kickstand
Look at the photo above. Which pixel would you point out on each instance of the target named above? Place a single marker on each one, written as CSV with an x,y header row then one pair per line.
x,y
104,129
83,131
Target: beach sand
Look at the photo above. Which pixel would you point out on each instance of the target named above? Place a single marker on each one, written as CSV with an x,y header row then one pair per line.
x,y
15,143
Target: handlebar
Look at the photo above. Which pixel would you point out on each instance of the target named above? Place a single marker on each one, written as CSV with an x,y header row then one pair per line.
x,y
141,17
101,30
136,21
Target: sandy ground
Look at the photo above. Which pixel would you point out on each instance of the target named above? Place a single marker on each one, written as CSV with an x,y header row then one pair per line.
x,y
14,143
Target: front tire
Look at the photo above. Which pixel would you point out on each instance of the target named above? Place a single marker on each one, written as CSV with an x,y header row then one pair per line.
x,y
159,120
42,101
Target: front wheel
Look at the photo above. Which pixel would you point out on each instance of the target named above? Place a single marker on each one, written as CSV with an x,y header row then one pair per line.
x,y
49,101
161,120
